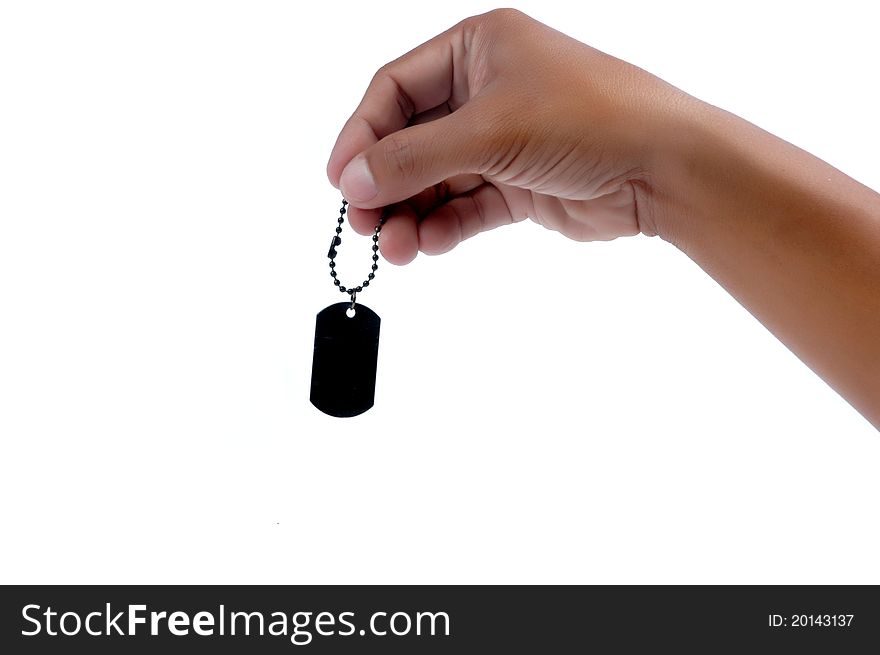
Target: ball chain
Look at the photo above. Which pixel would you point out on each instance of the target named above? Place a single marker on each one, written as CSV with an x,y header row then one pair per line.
x,y
338,240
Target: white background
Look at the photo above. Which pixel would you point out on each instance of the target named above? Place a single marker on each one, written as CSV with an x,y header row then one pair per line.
x,y
546,411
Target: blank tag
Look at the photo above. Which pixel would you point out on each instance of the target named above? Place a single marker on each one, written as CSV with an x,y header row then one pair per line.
x,y
344,361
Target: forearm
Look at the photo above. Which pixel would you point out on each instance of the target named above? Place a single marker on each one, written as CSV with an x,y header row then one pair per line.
x,y
796,241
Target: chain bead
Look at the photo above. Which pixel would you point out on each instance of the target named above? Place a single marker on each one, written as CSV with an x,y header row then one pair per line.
x,y
337,241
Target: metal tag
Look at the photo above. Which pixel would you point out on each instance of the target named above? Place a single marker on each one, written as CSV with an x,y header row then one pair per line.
x,y
344,361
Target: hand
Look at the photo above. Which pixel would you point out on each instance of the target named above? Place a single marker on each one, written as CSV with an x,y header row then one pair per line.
x,y
498,119
502,118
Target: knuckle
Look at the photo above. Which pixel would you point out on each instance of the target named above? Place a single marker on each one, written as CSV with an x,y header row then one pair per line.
x,y
506,12
501,141
504,15
382,74
385,80
399,157
382,71
491,21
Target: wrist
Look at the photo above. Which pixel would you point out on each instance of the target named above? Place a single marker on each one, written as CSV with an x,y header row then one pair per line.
x,y
681,141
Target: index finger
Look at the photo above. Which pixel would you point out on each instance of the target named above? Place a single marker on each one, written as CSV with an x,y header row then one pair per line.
x,y
425,77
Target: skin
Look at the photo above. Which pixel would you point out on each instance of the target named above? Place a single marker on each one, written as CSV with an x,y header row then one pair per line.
x,y
501,118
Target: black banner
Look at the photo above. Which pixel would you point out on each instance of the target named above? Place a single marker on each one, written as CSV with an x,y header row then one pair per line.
x,y
437,619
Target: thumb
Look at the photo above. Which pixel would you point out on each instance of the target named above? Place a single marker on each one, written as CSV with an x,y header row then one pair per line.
x,y
410,160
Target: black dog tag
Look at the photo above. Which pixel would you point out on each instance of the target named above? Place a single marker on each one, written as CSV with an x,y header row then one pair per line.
x,y
344,361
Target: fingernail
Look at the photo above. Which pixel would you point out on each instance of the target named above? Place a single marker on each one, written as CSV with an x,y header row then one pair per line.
x,y
357,181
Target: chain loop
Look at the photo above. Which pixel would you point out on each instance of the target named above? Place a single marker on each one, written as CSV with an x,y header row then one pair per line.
x,y
338,240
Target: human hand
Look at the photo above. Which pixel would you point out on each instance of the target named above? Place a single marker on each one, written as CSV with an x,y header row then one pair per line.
x,y
502,118
498,119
